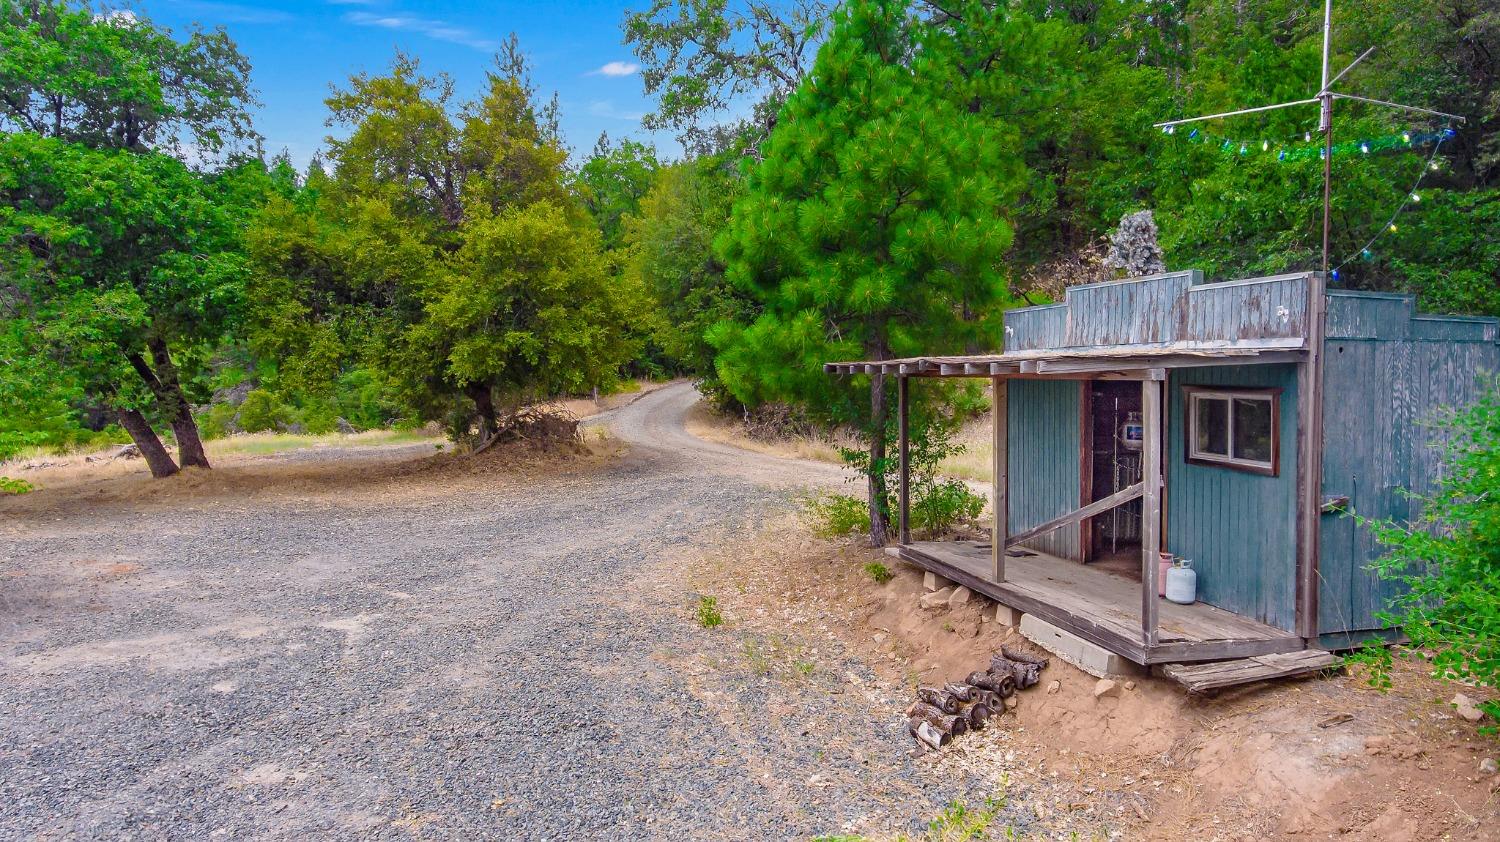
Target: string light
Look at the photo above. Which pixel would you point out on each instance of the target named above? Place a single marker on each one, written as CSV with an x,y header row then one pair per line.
x,y
1411,197
1286,152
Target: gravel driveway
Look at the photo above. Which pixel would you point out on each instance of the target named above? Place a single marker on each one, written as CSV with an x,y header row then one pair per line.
x,y
448,657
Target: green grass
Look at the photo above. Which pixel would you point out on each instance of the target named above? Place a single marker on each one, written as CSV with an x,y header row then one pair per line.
x,y
879,572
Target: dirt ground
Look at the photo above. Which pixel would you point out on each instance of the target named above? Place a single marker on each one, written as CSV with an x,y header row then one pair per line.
x,y
1326,757
393,642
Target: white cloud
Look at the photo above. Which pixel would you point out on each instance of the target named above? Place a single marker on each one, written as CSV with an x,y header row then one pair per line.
x,y
437,29
617,68
606,108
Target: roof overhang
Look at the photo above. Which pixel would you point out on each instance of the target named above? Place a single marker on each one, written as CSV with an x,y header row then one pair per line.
x,y
1077,363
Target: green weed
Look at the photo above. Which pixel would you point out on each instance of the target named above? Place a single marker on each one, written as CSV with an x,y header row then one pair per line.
x,y
879,572
708,612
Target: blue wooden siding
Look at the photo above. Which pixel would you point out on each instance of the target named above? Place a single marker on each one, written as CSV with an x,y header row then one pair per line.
x,y
1386,372
1238,528
1044,472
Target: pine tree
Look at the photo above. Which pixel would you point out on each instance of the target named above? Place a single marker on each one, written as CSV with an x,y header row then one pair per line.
x,y
872,228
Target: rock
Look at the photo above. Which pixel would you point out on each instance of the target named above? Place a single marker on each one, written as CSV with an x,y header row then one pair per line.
x,y
878,637
936,598
1130,685
1106,687
128,451
960,597
1053,687
1488,766
1466,708
345,427
1012,701
933,582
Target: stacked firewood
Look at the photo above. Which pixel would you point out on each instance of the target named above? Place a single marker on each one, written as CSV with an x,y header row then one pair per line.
x,y
941,713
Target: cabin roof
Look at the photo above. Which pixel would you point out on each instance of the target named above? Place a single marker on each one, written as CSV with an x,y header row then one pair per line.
x,y
1175,320
1080,360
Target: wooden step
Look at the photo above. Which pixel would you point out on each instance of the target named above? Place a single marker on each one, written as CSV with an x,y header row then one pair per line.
x,y
1215,675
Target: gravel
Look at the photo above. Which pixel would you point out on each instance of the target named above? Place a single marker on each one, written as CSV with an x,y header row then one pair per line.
x,y
462,659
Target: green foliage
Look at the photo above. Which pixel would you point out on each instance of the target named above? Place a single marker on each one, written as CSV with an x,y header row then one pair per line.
x,y
958,822
35,396
708,612
938,503
1448,559
113,80
443,272
262,412
701,57
527,310
871,228
15,486
613,181
670,256
879,572
836,515
127,266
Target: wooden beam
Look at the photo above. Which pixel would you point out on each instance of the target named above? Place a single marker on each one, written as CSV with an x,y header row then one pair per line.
x,y
1151,478
903,438
1310,462
1000,409
1098,507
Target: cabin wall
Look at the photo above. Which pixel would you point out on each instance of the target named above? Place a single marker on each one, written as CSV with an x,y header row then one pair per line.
x,y
1239,528
1043,435
1387,372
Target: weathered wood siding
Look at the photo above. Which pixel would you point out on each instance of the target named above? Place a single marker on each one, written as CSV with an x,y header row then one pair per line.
x,y
1387,372
1162,310
1044,469
1239,528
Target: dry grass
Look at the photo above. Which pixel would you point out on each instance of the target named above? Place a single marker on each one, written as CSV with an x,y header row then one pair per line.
x,y
44,470
708,425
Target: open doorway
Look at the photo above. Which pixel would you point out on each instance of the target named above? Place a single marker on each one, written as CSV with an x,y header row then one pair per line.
x,y
1113,462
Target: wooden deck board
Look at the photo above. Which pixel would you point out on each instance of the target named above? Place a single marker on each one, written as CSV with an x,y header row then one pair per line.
x,y
1199,678
1100,606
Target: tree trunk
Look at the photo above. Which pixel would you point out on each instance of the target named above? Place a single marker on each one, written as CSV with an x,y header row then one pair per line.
x,y
879,527
484,403
157,459
175,406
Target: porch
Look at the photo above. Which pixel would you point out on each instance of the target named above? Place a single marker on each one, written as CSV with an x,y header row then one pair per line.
x,y
1099,606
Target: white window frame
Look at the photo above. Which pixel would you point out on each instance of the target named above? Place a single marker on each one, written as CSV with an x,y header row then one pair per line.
x,y
1194,394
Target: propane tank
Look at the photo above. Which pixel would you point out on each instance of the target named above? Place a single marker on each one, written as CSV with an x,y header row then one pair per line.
x,y
1132,432
1163,566
1182,582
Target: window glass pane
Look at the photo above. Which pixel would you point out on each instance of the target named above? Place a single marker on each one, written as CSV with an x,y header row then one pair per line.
x,y
1252,430
1212,425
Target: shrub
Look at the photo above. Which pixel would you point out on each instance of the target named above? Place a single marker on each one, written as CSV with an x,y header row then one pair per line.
x,y
937,503
836,515
319,418
263,411
1449,558
708,612
15,486
879,572
217,421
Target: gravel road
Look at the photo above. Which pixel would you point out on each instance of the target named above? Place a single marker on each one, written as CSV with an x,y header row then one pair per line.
x,y
420,656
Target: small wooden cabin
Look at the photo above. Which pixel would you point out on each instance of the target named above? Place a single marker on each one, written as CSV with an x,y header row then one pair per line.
x,y
1169,414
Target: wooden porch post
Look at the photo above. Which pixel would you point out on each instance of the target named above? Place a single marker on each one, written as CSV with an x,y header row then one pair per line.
x,y
998,535
903,436
1151,477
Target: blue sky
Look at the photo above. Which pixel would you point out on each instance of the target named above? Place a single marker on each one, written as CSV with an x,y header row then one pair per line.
x,y
297,48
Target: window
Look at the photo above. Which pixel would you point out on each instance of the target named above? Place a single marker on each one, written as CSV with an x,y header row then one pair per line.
x,y
1233,428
